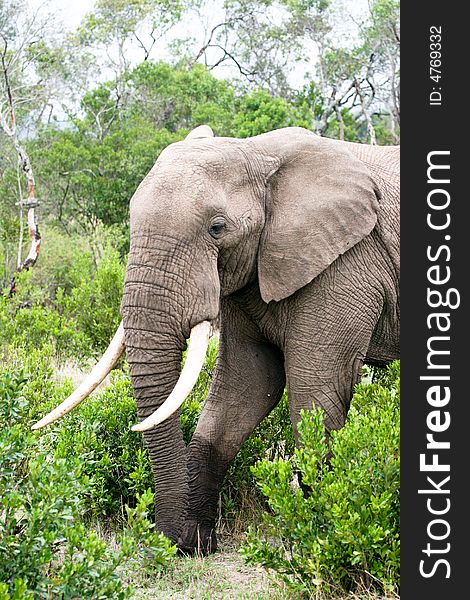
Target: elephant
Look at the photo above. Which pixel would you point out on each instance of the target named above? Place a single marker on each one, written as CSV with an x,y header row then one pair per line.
x,y
291,241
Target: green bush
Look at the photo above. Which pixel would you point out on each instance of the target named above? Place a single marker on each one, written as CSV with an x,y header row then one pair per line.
x,y
151,548
66,300
94,304
46,549
40,390
33,326
98,433
65,260
345,533
114,457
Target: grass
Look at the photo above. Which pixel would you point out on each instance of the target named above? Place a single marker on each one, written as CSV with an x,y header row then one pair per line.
x,y
222,576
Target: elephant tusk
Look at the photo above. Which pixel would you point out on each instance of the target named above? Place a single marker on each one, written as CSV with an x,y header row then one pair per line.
x,y
98,373
197,347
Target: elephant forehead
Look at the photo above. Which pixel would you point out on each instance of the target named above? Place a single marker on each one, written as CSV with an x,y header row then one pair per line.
x,y
225,159
177,200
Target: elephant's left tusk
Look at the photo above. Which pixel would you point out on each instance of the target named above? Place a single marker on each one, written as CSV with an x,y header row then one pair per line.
x,y
197,347
98,373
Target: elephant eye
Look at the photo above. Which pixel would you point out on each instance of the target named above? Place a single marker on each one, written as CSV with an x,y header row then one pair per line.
x,y
216,228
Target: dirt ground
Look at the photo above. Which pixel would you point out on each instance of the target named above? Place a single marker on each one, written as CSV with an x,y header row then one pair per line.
x,y
222,575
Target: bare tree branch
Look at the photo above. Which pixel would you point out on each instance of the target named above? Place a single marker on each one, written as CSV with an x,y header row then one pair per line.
x,y
339,118
365,112
24,162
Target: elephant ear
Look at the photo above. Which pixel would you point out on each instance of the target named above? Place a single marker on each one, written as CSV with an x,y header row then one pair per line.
x,y
203,131
320,201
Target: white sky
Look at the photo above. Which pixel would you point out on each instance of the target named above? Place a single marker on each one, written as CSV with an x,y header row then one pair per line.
x,y
70,13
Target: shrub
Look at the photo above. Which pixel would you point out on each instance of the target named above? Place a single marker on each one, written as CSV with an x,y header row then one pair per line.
x,y
66,300
46,550
98,433
65,260
41,390
345,533
33,326
153,548
94,304
114,457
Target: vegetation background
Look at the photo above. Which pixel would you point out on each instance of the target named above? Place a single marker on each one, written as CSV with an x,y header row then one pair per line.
x,y
85,109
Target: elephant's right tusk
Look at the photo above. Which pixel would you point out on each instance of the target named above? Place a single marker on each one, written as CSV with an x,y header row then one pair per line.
x,y
99,372
197,347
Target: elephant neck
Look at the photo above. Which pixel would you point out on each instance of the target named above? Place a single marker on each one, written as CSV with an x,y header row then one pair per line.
x,y
269,318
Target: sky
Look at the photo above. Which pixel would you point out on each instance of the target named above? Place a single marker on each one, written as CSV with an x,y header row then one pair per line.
x,y
70,13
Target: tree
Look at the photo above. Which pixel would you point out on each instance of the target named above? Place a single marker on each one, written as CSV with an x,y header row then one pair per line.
x,y
259,112
113,23
351,76
108,36
18,34
248,40
263,40
92,122
381,35
180,97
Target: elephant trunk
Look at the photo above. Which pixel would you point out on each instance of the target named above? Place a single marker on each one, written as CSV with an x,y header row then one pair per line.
x,y
198,342
154,340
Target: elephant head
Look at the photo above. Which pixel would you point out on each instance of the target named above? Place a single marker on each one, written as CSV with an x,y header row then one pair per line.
x,y
213,216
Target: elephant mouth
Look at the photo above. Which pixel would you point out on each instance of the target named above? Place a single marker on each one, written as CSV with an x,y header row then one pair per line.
x,y
197,348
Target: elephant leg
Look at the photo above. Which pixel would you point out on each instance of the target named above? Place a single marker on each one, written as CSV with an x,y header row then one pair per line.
x,y
248,382
326,343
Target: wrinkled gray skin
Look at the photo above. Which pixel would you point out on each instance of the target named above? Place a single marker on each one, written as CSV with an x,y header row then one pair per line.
x,y
302,266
